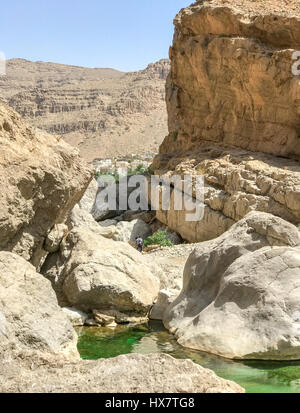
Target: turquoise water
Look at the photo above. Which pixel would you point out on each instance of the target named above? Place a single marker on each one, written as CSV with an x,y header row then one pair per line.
x,y
254,376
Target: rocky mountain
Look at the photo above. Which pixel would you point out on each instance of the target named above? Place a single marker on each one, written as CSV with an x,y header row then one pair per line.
x,y
104,112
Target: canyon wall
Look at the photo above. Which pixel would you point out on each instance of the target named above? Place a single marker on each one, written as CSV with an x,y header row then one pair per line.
x,y
233,109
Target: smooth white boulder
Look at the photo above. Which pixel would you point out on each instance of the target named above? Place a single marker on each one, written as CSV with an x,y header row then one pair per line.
x,y
241,294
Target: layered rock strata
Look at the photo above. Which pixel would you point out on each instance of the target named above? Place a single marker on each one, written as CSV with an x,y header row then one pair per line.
x,y
233,109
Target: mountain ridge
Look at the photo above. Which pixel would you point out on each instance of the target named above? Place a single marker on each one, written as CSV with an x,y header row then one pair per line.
x,y
102,111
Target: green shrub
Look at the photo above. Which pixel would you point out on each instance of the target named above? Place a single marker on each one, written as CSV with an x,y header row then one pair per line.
x,y
175,135
114,175
140,170
160,238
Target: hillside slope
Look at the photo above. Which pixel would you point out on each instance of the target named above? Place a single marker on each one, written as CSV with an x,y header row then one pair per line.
x,y
102,111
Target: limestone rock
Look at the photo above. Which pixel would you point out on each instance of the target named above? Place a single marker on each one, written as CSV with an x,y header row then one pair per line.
x,y
233,112
146,216
82,212
122,318
129,231
231,80
164,299
101,211
236,182
198,314
131,373
91,322
173,237
108,223
76,317
30,315
119,195
42,179
104,319
55,237
86,203
107,232
97,273
255,313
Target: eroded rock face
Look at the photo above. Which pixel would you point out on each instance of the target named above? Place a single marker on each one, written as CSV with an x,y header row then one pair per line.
x,y
231,78
30,316
132,373
129,231
81,214
55,237
238,282
97,273
164,300
117,203
42,179
236,182
76,317
233,109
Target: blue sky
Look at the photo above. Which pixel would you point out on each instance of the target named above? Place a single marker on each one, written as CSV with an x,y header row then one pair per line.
x,y
123,34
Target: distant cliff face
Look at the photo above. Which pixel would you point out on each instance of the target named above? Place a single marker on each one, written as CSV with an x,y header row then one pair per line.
x,y
234,112
102,111
231,80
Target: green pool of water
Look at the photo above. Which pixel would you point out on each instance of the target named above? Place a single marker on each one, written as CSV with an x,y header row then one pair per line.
x,y
254,376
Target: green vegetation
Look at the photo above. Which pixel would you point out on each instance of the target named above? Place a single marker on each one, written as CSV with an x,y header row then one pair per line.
x,y
285,374
175,135
114,175
224,35
160,238
139,170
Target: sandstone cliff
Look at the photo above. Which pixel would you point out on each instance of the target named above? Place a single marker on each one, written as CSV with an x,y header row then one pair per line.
x,y
231,78
233,108
102,111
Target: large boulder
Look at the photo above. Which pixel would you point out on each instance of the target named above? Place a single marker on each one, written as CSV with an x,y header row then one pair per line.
x,y
101,210
76,317
87,202
255,312
97,273
164,300
222,281
129,231
131,373
82,212
42,179
30,316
